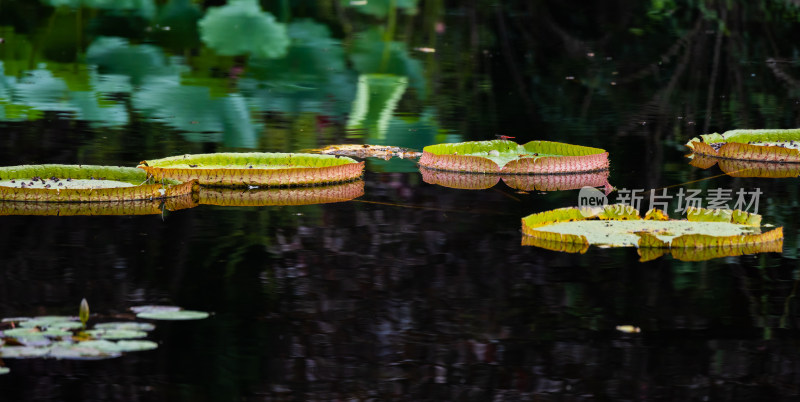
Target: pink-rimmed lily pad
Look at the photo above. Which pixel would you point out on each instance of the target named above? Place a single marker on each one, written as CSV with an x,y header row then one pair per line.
x,y
750,145
705,234
508,157
255,169
83,183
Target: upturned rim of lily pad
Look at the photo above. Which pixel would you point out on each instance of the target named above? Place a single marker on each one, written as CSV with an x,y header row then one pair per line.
x,y
740,168
245,197
133,184
534,157
691,247
255,168
539,182
738,145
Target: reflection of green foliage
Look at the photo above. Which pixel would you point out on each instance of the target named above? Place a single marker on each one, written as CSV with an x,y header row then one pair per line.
x,y
312,77
372,54
117,56
242,27
375,102
178,22
382,8
145,8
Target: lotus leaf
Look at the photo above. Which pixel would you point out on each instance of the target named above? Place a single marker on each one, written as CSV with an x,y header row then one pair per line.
x,y
281,196
750,145
381,8
179,315
242,27
503,156
546,182
705,234
83,183
255,169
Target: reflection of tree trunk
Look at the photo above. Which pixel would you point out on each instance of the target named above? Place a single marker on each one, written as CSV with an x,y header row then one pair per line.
x,y
714,71
522,89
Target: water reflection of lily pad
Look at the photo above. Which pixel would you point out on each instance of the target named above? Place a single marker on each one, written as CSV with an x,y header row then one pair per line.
x,y
242,27
238,197
544,182
83,183
705,234
255,169
179,315
750,145
127,208
738,168
502,156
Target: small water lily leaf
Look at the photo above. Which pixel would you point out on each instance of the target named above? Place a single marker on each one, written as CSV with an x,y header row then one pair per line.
x,y
79,351
126,325
52,321
731,232
4,370
15,319
142,309
281,196
136,346
109,334
241,27
23,332
119,346
750,145
173,315
503,156
539,182
23,352
83,183
255,169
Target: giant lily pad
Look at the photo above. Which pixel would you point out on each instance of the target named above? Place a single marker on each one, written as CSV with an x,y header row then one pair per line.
x,y
706,233
83,183
502,156
281,196
739,168
134,207
750,145
255,169
544,182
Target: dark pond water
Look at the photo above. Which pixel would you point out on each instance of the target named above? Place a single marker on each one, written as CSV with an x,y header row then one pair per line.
x,y
412,291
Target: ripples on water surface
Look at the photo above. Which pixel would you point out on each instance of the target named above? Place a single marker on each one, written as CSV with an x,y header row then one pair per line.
x,y
412,291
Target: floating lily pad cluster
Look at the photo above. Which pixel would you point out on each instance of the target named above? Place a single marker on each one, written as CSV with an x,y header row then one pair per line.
x,y
174,183
705,234
64,337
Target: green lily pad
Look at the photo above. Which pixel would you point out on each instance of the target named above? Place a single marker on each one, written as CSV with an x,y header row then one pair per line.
x,y
255,169
750,145
503,156
110,334
120,346
173,315
242,27
4,370
705,234
52,321
36,333
83,183
23,352
79,351
149,308
126,325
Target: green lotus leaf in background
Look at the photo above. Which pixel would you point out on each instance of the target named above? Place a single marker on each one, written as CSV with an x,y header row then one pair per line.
x,y
255,168
116,56
241,27
381,8
144,8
